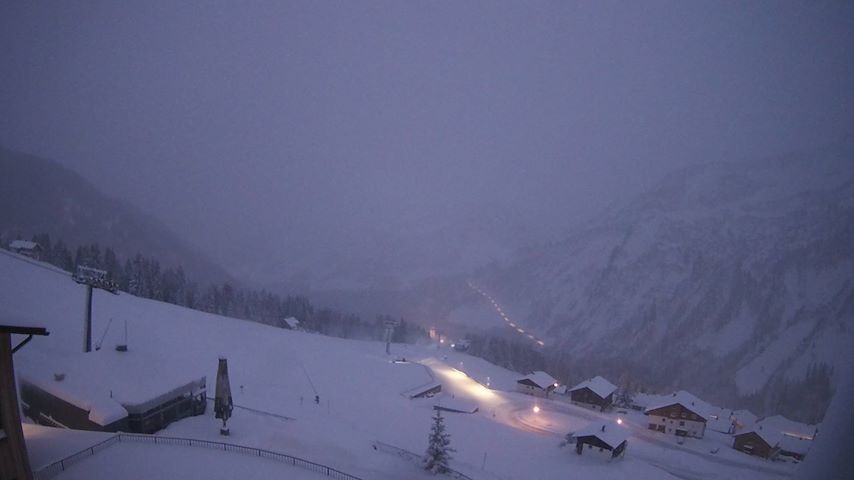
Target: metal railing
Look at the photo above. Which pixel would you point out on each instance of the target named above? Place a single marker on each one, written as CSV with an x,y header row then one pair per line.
x,y
57,467
414,457
54,468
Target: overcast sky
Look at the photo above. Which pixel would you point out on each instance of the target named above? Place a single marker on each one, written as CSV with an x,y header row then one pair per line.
x,y
280,134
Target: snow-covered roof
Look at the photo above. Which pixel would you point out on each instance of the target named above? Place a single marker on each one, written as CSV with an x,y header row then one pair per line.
x,y
610,433
597,385
454,404
106,383
292,322
14,323
688,401
562,389
745,417
646,399
795,444
720,420
787,427
540,379
771,437
23,245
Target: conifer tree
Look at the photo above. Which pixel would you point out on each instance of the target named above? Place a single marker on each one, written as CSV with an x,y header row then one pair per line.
x,y
438,448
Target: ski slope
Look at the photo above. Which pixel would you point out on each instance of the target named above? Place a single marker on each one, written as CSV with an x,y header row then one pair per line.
x,y
280,371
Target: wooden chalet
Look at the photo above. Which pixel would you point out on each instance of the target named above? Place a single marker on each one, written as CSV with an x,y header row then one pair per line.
x,y
14,461
776,436
538,384
680,414
26,248
596,393
758,442
603,438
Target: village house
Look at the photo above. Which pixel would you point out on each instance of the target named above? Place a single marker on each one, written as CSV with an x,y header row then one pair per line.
x,y
26,248
788,427
596,393
757,441
680,414
775,437
538,384
603,438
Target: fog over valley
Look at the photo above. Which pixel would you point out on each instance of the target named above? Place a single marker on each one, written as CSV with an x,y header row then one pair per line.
x,y
452,205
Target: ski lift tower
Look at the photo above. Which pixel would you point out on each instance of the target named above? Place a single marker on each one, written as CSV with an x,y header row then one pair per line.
x,y
390,325
92,278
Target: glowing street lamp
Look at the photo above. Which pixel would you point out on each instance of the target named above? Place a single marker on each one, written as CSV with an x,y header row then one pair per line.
x,y
536,409
619,421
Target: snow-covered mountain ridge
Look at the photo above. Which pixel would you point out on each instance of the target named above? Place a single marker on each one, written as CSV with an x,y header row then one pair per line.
x,y
732,280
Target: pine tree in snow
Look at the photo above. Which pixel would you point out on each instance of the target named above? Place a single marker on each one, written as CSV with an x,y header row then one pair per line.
x,y
438,449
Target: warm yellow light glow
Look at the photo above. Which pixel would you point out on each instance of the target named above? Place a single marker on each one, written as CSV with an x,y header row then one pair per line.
x,y
536,409
462,381
619,421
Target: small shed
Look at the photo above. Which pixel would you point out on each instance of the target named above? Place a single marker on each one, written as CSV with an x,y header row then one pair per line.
x,y
455,405
539,384
291,323
602,437
26,248
426,390
596,393
757,441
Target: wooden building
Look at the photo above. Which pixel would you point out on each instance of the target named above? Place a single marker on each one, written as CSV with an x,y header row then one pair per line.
x,y
14,461
680,414
776,436
109,390
538,384
758,442
596,393
603,438
57,408
26,248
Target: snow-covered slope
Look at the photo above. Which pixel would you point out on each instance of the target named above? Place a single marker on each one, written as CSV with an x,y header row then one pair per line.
x,y
278,372
731,280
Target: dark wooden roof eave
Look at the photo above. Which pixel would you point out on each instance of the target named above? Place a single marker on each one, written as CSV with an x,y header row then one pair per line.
x,y
24,330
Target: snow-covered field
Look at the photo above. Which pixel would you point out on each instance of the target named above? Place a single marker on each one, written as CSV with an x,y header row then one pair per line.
x,y
280,372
